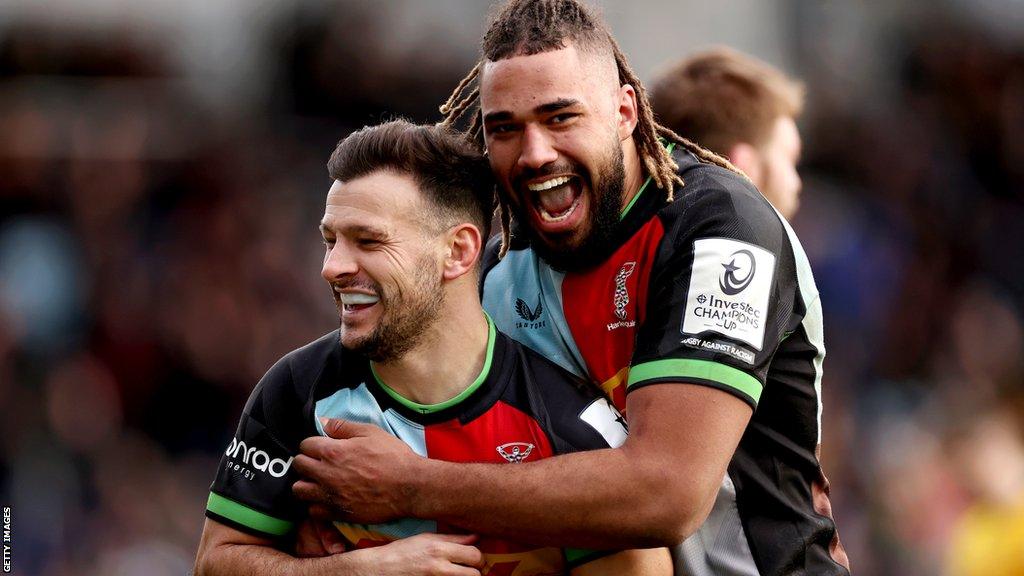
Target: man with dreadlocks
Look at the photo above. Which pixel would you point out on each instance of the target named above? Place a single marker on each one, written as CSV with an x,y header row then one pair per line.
x,y
637,259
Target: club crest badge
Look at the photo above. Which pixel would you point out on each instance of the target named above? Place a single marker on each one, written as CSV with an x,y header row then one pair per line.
x,y
621,298
515,452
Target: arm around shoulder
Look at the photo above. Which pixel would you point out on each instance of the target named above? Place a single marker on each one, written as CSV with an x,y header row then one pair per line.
x,y
681,437
224,551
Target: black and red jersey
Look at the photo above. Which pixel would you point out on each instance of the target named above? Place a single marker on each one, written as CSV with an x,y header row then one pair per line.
x,y
711,289
521,408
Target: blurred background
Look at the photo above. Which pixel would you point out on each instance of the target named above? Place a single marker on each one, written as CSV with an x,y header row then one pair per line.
x,y
162,176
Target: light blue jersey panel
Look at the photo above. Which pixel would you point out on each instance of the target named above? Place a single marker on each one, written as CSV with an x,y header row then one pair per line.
x,y
529,309
359,405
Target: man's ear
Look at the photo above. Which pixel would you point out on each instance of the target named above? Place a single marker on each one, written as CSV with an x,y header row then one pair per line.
x,y
464,246
627,111
747,158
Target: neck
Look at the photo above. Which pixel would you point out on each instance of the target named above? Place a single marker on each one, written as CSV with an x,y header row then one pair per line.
x,y
634,172
447,361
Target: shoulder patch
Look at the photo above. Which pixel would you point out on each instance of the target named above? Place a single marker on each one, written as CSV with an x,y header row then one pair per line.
x,y
730,286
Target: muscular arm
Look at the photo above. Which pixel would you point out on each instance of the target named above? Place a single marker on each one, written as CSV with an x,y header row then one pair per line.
x,y
224,551
654,490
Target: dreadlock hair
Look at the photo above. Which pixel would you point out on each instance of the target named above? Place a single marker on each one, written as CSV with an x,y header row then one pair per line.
x,y
527,27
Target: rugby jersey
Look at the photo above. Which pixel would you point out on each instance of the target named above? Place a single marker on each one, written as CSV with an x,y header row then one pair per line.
x,y
520,408
711,289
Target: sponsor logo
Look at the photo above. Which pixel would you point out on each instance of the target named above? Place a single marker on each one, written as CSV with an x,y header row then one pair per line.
x,y
730,286
531,317
727,314
741,261
258,459
515,452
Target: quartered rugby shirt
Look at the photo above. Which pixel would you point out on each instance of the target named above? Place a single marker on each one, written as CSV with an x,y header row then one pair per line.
x,y
712,289
521,408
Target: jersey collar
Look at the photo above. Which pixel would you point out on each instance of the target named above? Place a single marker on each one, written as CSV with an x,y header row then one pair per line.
x,y
482,377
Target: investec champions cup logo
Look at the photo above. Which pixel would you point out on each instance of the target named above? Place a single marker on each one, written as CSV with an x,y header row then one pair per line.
x,y
734,280
730,285
258,459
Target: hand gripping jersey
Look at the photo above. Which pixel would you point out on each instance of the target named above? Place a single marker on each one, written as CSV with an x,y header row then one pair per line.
x,y
712,289
521,408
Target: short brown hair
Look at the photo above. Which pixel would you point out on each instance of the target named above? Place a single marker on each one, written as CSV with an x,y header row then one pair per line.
x,y
722,97
450,172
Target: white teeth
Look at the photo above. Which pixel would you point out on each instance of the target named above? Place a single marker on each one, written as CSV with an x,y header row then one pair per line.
x,y
354,298
547,217
548,184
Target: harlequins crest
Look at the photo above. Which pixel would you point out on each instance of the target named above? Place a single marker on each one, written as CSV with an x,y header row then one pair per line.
x,y
515,452
621,297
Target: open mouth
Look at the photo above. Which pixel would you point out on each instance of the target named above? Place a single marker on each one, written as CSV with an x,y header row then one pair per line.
x,y
556,199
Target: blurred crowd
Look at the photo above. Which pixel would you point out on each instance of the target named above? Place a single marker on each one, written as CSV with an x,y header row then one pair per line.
x,y
158,252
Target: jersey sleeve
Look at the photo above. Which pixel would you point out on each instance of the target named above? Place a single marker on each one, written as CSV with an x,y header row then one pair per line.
x,y
252,489
721,290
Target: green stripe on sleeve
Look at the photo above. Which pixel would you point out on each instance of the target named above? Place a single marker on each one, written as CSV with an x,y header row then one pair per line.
x,y
682,369
245,516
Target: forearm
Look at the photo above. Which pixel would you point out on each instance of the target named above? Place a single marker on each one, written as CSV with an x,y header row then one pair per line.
x,y
654,490
599,499
254,560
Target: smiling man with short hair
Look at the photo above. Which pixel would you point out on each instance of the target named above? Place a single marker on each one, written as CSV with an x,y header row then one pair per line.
x,y
417,358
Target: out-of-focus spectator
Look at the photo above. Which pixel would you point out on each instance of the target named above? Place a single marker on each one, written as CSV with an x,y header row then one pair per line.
x,y
988,540
741,108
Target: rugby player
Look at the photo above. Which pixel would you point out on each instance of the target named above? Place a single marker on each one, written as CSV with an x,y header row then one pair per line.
x,y
741,108
637,259
416,357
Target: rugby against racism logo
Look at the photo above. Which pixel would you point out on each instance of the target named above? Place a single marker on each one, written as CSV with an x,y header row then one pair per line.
x,y
730,285
515,452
